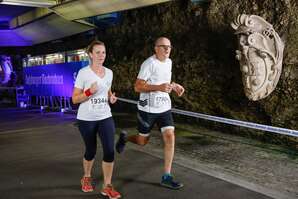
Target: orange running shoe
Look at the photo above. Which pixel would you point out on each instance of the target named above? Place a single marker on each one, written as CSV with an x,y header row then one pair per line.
x,y
110,192
86,183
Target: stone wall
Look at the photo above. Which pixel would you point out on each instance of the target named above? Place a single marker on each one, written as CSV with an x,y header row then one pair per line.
x,y
204,56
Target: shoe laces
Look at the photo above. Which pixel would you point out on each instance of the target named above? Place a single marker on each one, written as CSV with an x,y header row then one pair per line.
x,y
87,180
167,177
170,179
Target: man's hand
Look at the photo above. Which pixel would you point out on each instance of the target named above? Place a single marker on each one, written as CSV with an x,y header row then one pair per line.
x,y
178,89
166,87
94,87
113,98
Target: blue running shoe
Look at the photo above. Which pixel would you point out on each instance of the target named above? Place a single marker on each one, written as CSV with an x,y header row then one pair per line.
x,y
168,181
120,145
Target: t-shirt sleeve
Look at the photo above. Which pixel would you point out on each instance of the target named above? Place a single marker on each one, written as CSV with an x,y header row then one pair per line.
x,y
79,83
145,71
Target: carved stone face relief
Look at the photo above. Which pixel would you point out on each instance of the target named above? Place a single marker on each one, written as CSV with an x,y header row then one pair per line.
x,y
260,55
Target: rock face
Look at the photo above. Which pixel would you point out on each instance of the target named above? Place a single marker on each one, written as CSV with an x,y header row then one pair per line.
x,y
204,56
280,108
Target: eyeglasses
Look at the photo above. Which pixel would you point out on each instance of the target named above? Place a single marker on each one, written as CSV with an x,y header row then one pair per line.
x,y
165,46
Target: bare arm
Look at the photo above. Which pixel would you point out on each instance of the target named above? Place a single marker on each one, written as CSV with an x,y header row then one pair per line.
x,y
112,97
110,93
78,96
143,86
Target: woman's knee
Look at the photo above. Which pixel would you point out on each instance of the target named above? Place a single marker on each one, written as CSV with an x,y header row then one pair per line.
x,y
90,151
90,154
109,156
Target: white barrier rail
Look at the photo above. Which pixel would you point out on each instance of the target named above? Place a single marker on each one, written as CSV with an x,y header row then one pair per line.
x,y
251,125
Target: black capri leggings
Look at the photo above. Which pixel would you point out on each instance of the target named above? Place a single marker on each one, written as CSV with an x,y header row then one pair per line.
x,y
106,130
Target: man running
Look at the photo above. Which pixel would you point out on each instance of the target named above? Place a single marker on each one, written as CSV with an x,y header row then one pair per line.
x,y
154,106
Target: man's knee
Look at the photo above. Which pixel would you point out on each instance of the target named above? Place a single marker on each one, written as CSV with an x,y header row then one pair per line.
x,y
169,137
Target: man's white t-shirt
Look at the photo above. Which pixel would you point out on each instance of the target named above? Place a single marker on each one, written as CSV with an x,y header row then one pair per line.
x,y
97,106
155,72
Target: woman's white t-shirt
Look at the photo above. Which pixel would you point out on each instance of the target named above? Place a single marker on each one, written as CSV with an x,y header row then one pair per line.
x,y
97,106
155,72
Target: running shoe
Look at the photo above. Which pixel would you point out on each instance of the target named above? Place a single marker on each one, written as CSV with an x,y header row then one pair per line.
x,y
168,181
86,183
110,192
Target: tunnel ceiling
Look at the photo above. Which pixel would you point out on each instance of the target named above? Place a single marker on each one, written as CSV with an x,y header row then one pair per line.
x,y
26,23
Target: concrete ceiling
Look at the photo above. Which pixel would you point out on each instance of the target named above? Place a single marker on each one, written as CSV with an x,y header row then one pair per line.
x,y
30,3
38,21
79,9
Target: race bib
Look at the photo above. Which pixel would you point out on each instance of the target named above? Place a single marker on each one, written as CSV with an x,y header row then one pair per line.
x,y
158,101
98,104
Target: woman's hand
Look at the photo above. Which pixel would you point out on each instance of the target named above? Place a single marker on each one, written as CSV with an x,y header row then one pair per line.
x,y
94,87
113,98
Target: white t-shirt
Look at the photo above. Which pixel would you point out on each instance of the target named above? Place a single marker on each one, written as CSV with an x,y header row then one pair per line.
x,y
97,106
155,72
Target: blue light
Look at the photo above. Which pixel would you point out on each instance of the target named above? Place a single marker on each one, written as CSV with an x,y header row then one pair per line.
x,y
11,38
